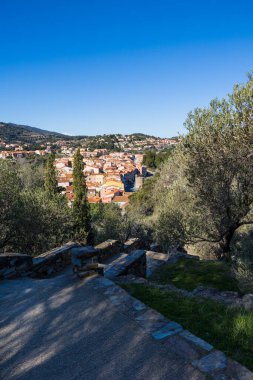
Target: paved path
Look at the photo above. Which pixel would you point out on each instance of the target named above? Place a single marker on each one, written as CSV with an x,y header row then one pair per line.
x,y
62,328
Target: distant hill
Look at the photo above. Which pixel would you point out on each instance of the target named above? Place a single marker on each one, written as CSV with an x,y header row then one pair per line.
x,y
24,134
141,136
15,133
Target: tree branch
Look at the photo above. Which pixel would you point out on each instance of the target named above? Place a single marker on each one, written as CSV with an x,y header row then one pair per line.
x,y
244,223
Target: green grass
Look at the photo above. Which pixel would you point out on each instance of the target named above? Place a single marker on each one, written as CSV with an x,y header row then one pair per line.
x,y
188,274
227,329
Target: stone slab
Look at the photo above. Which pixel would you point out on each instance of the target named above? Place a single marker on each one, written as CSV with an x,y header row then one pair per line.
x,y
169,329
134,263
197,341
151,320
214,361
138,305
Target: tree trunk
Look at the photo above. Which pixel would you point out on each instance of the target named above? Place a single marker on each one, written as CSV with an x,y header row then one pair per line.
x,y
225,244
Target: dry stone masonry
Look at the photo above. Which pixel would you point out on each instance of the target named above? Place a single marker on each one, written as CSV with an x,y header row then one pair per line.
x,y
15,265
108,249
134,263
130,260
54,261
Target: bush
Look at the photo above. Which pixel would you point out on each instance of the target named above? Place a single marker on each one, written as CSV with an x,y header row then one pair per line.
x,y
244,275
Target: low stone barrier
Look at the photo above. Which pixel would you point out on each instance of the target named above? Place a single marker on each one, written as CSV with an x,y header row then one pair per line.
x,y
14,265
84,254
53,261
154,261
135,264
85,261
174,256
132,244
108,249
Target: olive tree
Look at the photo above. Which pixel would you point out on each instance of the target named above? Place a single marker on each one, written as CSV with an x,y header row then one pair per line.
x,y
31,219
211,195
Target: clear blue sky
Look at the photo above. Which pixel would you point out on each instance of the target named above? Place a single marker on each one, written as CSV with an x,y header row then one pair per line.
x,y
94,67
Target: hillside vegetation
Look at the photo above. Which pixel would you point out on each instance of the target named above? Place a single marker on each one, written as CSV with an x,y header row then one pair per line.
x,y
34,137
14,133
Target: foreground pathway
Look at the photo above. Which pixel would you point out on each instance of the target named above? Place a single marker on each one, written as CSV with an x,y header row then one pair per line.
x,y
63,328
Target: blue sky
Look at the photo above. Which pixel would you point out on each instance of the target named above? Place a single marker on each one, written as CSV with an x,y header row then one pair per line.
x,y
94,67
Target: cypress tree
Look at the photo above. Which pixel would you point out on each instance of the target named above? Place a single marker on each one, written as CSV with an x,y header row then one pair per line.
x,y
81,207
51,185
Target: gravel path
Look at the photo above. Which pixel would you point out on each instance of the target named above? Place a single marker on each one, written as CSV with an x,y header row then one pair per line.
x,y
62,328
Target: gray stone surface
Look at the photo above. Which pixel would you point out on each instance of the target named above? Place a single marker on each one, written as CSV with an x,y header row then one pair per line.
x,y
108,249
154,261
134,263
138,305
132,244
216,360
14,265
169,329
63,328
196,340
237,371
150,320
183,348
52,261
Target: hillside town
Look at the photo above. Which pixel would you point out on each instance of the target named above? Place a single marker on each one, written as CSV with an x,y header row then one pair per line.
x,y
112,175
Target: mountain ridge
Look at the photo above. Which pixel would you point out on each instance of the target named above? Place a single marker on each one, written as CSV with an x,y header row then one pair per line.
x,y
21,133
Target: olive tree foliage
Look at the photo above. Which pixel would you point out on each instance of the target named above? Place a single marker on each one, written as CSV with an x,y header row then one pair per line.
x,y
109,222
30,173
140,211
31,220
9,202
208,183
46,222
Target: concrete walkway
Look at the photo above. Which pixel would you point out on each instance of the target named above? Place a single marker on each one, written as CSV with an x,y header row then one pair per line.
x,y
62,328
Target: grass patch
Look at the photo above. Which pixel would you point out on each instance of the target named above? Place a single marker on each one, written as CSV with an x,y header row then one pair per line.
x,y
188,274
227,329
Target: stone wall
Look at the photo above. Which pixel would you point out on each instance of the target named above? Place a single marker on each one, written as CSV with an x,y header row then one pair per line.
x,y
132,244
108,249
15,265
135,264
52,261
127,259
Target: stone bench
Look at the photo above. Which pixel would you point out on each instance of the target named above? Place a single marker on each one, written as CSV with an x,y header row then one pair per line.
x,y
135,264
